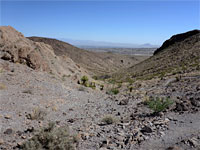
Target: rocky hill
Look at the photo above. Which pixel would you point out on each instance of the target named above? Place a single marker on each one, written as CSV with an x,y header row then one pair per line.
x,y
16,48
97,63
179,54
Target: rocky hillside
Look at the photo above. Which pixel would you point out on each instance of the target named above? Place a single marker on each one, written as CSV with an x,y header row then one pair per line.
x,y
16,48
95,62
179,54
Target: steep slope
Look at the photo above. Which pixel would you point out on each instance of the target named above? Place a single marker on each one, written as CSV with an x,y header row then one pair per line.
x,y
179,54
16,48
95,62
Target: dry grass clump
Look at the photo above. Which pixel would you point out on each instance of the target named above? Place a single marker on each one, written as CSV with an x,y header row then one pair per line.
x,y
51,138
108,119
37,114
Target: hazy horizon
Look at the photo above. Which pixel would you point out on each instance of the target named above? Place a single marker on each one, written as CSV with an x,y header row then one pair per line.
x,y
131,22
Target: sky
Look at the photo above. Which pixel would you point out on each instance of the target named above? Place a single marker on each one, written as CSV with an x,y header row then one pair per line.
x,y
133,21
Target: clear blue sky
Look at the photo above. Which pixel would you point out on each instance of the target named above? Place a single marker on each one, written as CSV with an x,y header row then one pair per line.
x,y
113,21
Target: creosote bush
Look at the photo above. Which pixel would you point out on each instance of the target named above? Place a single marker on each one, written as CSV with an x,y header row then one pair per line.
x,y
158,104
51,138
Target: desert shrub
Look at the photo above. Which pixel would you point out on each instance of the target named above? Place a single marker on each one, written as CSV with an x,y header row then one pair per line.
x,y
95,77
84,80
158,104
51,138
112,81
92,85
108,120
112,91
37,114
115,91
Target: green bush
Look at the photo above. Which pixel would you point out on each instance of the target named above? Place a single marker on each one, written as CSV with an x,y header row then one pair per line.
x,y
51,138
114,91
158,104
84,79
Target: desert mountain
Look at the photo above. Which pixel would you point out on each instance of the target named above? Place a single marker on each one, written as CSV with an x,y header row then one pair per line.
x,y
179,54
16,48
95,62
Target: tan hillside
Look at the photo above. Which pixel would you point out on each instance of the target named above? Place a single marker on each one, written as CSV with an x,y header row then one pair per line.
x,y
179,54
16,48
95,62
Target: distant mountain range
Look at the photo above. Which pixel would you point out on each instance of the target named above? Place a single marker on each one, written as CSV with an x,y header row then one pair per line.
x,y
102,44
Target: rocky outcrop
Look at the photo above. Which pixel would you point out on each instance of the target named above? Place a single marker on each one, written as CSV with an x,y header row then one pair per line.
x,y
16,48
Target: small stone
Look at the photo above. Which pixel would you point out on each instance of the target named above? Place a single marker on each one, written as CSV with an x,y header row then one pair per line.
x,y
8,131
23,137
19,144
1,141
195,103
124,102
103,148
7,117
71,120
19,133
146,129
193,142
174,148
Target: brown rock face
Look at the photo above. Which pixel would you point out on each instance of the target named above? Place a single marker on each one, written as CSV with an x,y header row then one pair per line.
x,y
16,48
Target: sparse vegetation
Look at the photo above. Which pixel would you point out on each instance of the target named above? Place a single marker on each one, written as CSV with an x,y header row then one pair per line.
x,y
84,80
86,83
51,138
92,85
158,104
37,114
112,91
95,77
108,120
